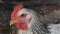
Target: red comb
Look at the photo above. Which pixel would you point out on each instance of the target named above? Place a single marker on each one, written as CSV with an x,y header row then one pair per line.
x,y
15,10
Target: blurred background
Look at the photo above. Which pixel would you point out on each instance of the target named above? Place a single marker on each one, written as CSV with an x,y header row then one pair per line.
x,y
44,7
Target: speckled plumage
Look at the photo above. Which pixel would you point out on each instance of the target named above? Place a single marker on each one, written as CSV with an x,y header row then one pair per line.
x,y
36,27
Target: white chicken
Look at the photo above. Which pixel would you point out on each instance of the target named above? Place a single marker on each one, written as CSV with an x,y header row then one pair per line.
x,y
26,21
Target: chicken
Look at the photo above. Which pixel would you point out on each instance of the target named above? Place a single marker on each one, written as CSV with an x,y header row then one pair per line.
x,y
26,21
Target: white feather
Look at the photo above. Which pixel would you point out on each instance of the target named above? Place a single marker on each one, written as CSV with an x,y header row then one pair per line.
x,y
24,32
54,28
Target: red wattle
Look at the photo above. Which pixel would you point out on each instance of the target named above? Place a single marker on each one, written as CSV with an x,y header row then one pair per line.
x,y
22,26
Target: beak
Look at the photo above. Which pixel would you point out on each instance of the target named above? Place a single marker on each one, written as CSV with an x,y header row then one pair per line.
x,y
12,22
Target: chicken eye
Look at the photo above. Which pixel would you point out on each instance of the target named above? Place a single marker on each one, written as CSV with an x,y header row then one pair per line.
x,y
23,15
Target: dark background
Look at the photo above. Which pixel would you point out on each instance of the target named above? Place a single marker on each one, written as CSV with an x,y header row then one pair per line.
x,y
6,7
